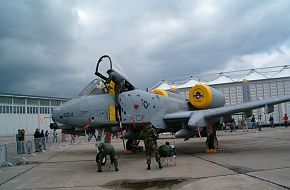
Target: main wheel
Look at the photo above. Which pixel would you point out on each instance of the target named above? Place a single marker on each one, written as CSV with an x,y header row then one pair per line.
x,y
212,141
103,161
129,144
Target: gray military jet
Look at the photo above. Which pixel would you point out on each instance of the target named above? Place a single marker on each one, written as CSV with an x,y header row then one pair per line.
x,y
165,110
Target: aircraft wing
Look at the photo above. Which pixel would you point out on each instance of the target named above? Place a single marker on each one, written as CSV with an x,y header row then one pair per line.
x,y
202,118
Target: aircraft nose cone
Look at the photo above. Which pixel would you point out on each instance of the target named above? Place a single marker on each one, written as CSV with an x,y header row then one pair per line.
x,y
56,115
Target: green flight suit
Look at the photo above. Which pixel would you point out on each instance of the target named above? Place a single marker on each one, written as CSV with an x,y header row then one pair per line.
x,y
106,148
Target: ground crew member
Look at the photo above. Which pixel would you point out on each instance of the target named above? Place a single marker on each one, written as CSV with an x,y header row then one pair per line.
x,y
150,137
106,148
166,150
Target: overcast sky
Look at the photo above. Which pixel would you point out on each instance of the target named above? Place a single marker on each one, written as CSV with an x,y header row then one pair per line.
x,y
50,47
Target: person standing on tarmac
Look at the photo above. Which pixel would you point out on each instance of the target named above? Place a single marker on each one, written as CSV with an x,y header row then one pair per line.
x,y
18,145
106,148
150,137
271,120
37,140
285,119
21,139
253,121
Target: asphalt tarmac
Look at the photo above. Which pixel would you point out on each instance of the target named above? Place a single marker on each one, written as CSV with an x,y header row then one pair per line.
x,y
248,160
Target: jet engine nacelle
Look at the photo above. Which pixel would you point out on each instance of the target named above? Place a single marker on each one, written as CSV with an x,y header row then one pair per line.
x,y
202,96
165,93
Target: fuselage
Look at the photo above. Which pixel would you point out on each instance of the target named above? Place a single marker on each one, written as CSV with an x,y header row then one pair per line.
x,y
137,108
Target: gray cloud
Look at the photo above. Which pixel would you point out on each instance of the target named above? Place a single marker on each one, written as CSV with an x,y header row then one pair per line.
x,y
51,47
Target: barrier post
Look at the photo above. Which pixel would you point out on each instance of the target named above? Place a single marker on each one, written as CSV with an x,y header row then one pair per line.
x,y
3,156
29,146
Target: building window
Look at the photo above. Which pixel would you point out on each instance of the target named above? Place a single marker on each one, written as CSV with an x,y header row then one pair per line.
x,y
55,102
10,109
23,109
47,110
6,100
14,109
7,109
44,102
32,102
0,109
19,101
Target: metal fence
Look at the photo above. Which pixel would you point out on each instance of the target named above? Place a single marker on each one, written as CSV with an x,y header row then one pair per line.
x,y
25,152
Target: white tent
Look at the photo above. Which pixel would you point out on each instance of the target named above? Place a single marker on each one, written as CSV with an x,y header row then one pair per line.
x,y
285,72
164,86
222,79
188,83
253,75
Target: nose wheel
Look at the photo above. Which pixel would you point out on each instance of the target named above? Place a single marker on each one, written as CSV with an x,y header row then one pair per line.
x,y
98,158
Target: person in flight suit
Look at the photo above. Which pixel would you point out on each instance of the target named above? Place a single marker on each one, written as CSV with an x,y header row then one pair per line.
x,y
119,82
150,137
106,148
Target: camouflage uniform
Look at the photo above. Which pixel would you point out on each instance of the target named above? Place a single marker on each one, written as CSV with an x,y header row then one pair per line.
x,y
106,148
150,136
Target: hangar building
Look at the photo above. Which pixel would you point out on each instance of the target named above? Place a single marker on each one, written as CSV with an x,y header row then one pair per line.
x,y
26,112
263,83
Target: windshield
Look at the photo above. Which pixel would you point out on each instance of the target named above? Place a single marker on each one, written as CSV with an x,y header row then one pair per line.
x,y
94,88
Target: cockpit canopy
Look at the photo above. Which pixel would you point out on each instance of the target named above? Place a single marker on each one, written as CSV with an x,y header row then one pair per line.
x,y
98,85
95,87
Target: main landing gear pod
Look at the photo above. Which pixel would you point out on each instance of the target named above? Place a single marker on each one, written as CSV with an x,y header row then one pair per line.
x,y
202,96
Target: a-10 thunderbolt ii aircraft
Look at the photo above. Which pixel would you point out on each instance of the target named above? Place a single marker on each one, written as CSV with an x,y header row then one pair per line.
x,y
165,110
